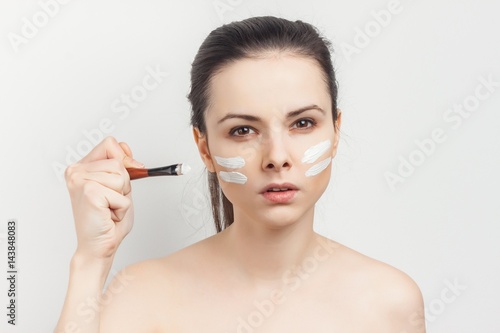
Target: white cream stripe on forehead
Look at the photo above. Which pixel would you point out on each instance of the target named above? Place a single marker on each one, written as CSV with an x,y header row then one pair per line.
x,y
315,152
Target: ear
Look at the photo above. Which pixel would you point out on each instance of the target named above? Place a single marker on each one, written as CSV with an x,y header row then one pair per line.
x,y
202,143
336,135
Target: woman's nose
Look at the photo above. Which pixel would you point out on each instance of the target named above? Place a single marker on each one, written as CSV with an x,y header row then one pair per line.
x,y
275,153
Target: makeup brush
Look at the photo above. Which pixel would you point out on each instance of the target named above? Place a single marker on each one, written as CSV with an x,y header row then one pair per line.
x,y
171,170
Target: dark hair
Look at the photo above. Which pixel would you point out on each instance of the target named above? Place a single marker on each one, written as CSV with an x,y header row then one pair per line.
x,y
247,39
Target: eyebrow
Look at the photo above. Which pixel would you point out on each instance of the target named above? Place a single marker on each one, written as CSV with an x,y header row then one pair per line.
x,y
289,115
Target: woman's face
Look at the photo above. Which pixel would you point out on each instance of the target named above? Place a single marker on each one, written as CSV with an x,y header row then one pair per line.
x,y
270,137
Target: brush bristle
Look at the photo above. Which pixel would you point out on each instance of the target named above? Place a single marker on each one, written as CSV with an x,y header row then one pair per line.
x,y
185,169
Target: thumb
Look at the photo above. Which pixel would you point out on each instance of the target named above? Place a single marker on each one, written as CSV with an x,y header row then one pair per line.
x,y
128,159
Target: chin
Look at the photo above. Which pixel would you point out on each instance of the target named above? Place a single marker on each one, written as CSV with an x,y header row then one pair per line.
x,y
282,217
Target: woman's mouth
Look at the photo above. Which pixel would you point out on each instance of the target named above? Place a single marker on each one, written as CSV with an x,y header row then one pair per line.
x,y
280,193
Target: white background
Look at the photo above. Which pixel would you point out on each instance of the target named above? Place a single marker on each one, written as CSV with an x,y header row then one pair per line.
x,y
440,224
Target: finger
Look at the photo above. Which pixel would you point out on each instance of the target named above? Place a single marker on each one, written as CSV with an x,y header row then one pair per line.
x,y
117,204
115,182
108,173
111,166
119,208
129,160
131,163
126,149
106,149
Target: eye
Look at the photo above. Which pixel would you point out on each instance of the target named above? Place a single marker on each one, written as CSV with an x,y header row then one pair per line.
x,y
304,123
241,131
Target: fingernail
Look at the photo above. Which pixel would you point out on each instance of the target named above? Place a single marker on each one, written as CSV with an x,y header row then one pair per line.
x,y
138,164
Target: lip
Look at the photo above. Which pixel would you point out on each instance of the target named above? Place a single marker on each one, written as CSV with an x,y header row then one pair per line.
x,y
281,196
289,186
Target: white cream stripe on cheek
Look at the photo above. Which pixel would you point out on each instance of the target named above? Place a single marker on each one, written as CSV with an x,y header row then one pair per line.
x,y
315,152
230,162
317,168
233,177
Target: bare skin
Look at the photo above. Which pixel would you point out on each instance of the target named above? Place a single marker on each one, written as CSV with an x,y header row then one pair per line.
x,y
344,291
269,271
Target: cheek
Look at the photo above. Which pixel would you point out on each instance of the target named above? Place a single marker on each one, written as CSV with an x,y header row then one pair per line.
x,y
233,177
318,167
315,153
232,173
230,162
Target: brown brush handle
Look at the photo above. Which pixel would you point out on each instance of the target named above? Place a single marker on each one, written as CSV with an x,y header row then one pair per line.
x,y
137,173
169,170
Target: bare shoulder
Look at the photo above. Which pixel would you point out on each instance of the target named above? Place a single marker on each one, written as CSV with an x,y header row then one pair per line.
x,y
128,299
395,300
134,295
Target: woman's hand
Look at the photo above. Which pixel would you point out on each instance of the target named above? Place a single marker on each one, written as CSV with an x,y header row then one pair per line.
x,y
99,187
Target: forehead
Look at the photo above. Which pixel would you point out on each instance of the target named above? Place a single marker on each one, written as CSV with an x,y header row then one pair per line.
x,y
271,84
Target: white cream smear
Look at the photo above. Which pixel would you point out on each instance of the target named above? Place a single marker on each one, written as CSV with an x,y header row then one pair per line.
x,y
317,168
233,177
230,162
315,152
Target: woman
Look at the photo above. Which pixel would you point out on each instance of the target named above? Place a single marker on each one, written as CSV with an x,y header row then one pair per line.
x,y
266,123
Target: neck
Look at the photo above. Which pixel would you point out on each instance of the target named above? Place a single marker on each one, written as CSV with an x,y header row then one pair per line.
x,y
262,253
